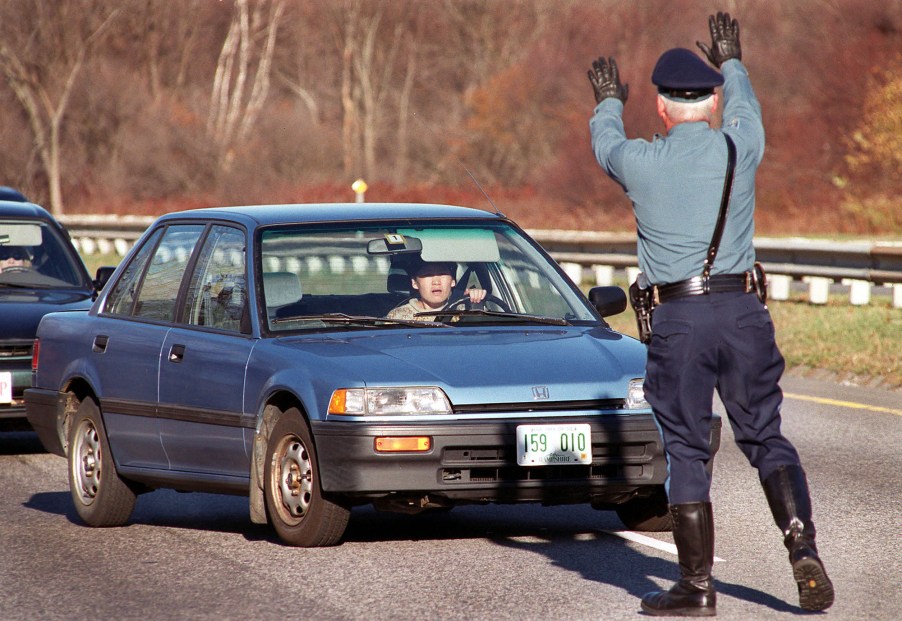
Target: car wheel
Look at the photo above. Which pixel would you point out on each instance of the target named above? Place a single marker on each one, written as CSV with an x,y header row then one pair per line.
x,y
295,504
647,513
101,497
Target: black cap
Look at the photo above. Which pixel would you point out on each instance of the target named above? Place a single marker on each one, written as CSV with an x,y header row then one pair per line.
x,y
681,75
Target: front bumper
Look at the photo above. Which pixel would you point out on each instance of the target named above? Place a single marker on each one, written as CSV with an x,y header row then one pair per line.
x,y
477,461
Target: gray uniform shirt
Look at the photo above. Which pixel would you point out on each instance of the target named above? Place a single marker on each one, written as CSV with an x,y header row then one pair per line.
x,y
675,183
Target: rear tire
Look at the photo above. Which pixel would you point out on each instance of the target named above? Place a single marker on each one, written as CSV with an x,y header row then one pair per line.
x,y
292,489
647,513
101,497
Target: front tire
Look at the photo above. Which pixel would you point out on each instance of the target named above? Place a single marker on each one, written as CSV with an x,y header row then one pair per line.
x,y
292,489
101,497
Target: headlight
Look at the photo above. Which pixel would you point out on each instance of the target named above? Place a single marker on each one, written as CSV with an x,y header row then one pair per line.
x,y
635,395
389,401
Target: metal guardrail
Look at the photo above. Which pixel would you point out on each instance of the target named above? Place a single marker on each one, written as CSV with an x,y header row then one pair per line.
x,y
858,264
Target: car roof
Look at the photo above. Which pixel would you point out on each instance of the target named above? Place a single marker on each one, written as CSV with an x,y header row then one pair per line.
x,y
16,209
264,215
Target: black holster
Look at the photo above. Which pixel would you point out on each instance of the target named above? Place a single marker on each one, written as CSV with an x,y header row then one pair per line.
x,y
643,304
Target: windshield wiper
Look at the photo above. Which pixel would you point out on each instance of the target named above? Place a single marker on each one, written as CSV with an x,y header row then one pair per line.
x,y
552,321
365,320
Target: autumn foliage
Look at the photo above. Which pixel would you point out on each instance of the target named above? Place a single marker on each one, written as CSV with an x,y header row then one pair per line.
x,y
148,106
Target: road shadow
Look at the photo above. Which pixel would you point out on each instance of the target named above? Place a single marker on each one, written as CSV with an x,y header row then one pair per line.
x,y
575,539
605,558
17,441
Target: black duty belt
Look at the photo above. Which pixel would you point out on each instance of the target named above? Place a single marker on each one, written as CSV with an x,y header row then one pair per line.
x,y
700,285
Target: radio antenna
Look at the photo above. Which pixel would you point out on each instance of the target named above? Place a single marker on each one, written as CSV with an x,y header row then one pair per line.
x,y
462,165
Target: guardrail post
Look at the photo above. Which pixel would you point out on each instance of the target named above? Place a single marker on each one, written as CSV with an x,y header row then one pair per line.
x,y
859,292
778,286
818,289
122,246
574,271
897,295
604,275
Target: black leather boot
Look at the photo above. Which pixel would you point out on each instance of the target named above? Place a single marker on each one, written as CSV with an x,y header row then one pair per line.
x,y
787,494
693,595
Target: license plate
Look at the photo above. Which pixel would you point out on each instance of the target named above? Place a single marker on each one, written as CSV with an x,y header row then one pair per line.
x,y
6,387
548,445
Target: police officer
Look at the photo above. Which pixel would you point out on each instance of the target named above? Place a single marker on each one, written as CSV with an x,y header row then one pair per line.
x,y
708,332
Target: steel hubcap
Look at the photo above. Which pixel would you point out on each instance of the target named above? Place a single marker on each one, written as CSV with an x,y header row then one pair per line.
x,y
296,480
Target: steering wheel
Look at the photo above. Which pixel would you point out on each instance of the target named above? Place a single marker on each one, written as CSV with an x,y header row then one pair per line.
x,y
16,268
468,305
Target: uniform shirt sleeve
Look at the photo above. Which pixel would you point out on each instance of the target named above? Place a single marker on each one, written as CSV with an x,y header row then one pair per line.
x,y
742,112
609,137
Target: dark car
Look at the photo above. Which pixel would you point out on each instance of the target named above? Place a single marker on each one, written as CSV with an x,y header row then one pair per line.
x,y
40,272
261,351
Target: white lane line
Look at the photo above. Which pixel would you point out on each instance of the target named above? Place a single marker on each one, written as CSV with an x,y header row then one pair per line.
x,y
649,541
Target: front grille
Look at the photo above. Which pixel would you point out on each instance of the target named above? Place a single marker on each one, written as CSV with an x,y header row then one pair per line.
x,y
610,462
15,349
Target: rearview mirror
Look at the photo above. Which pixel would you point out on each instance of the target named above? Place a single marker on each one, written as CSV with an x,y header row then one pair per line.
x,y
394,243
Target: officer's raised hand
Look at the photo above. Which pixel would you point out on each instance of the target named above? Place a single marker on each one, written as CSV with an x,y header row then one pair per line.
x,y
724,40
605,80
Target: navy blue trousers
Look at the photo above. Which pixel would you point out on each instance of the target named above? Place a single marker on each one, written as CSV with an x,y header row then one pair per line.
x,y
723,342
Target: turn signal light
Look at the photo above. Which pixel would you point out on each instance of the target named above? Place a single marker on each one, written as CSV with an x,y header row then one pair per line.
x,y
405,444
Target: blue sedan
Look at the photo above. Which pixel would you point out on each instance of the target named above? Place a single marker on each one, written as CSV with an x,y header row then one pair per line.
x,y
319,357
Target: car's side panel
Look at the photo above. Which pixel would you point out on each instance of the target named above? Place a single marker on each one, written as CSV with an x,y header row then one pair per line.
x,y
128,362
201,397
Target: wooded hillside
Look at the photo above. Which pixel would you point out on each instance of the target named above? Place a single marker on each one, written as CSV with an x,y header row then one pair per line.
x,y
146,106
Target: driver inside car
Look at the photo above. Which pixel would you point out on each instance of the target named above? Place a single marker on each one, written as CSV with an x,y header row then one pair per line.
x,y
433,283
14,259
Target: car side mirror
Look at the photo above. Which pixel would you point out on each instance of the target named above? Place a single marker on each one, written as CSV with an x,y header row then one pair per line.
x,y
608,300
103,277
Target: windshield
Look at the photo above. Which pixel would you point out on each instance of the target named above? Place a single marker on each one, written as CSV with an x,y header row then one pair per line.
x,y
410,274
34,255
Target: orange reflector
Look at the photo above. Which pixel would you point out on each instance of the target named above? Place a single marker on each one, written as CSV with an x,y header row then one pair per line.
x,y
406,443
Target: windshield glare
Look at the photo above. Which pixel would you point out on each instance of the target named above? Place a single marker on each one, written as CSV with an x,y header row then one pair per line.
x,y
33,255
407,272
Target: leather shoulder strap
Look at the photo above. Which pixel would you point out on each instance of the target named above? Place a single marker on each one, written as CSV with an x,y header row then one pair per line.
x,y
724,204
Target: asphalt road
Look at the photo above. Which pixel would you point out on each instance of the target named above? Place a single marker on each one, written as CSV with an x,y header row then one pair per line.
x,y
197,556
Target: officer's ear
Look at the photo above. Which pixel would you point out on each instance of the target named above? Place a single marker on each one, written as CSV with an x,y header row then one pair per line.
x,y
662,109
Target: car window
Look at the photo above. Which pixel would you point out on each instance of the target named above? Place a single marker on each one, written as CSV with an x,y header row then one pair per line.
x,y
366,271
35,254
150,283
122,296
217,296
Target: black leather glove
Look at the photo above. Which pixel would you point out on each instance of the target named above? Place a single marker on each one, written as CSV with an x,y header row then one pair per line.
x,y
605,81
724,40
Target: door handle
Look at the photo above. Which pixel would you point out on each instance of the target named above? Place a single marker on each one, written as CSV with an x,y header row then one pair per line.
x,y
176,353
100,342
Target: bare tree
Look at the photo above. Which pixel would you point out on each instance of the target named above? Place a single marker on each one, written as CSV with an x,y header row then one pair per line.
x,y
41,57
234,109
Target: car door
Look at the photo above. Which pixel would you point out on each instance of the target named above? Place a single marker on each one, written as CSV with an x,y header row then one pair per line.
x,y
128,340
201,404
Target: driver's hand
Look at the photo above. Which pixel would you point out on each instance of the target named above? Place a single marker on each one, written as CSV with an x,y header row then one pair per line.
x,y
476,295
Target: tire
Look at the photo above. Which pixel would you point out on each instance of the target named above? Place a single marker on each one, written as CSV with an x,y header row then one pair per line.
x,y
299,513
647,513
101,497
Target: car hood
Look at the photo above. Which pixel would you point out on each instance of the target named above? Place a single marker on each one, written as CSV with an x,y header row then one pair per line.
x,y
21,310
491,365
